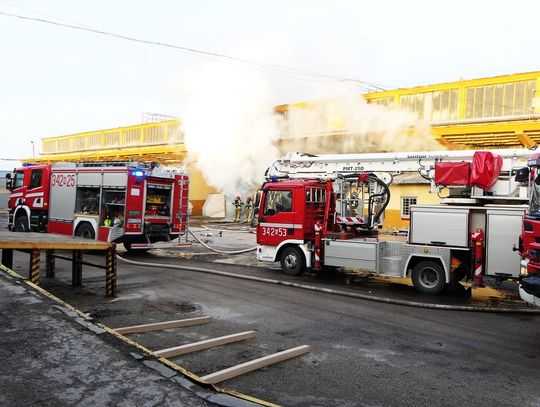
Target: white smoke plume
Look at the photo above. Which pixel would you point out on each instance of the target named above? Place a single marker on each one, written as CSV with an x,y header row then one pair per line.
x,y
343,122
230,127
232,133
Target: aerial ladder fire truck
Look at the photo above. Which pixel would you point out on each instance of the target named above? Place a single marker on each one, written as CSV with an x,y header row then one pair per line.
x,y
136,204
529,240
324,211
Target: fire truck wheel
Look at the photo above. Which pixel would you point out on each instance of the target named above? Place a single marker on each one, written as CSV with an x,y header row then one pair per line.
x,y
21,225
86,231
428,277
292,261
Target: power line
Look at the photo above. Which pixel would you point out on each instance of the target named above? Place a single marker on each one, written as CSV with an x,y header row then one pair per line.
x,y
38,12
282,70
275,69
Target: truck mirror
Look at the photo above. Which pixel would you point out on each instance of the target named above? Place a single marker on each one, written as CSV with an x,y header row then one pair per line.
x,y
9,182
522,175
256,211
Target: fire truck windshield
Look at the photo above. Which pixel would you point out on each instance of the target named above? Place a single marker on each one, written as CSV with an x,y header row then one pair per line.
x,y
534,206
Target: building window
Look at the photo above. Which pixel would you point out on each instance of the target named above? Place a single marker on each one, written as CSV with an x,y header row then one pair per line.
x,y
444,105
386,101
414,103
509,99
406,202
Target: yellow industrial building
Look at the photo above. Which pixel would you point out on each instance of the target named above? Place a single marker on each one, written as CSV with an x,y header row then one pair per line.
x,y
485,113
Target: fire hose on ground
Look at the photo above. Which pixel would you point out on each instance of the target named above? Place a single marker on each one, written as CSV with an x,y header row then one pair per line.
x,y
222,251
339,292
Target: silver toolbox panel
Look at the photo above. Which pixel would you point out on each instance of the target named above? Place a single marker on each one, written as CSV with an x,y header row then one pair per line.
x,y
351,253
440,225
115,179
390,259
502,234
89,179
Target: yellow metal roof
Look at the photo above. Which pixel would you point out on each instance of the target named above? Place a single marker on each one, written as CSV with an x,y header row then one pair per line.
x,y
512,134
166,154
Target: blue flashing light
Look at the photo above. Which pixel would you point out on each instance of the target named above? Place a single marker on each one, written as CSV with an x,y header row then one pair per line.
x,y
138,173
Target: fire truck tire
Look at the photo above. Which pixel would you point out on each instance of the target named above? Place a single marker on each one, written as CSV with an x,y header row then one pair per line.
x,y
292,261
86,231
21,225
428,277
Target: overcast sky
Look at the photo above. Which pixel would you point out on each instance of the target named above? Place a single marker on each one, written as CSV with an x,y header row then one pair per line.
x,y
57,81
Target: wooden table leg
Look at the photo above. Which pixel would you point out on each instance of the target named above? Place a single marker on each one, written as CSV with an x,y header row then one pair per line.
x,y
49,261
76,268
34,266
110,272
7,258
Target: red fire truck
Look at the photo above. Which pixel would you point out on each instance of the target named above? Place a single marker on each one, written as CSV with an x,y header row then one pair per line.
x,y
136,204
529,241
324,212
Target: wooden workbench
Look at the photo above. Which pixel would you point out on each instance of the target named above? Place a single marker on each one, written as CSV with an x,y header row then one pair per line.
x,y
35,243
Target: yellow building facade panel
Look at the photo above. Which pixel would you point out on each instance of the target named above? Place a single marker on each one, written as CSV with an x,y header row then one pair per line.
x,y
149,134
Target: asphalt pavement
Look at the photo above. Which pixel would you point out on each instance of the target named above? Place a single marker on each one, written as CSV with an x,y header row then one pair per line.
x,y
363,353
51,356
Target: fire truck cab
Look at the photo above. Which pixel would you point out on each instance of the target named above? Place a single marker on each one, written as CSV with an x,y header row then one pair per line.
x,y
287,218
132,203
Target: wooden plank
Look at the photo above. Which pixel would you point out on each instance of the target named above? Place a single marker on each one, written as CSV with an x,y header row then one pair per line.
x,y
158,326
34,240
250,366
207,344
30,245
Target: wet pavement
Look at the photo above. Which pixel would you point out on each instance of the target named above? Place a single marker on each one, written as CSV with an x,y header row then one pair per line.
x,y
233,237
51,356
363,353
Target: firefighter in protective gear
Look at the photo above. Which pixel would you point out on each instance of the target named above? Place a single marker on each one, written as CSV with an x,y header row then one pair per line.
x,y
249,209
354,204
238,204
107,222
